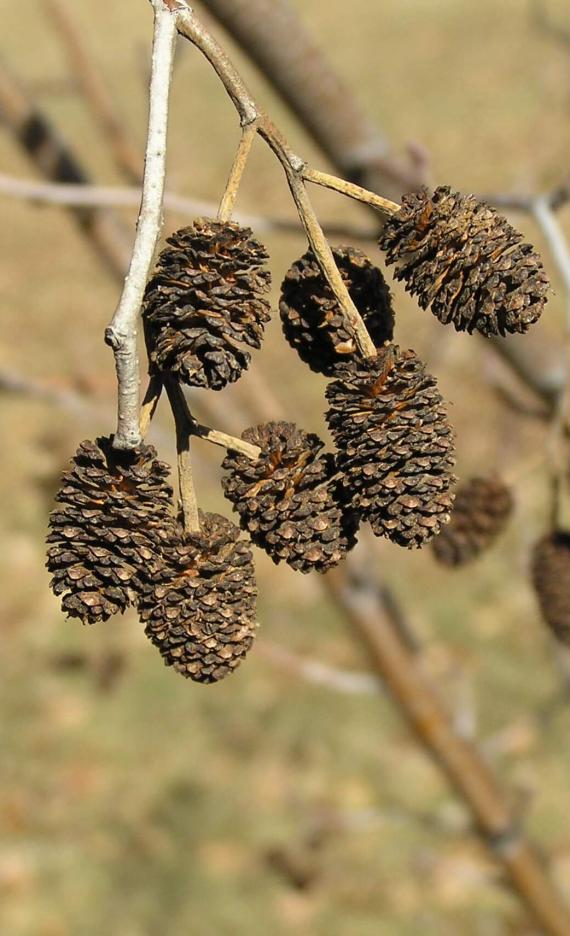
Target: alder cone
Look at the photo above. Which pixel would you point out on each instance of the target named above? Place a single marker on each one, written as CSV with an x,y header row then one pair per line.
x,y
481,511
115,510
205,304
551,579
313,322
462,258
289,499
395,445
199,606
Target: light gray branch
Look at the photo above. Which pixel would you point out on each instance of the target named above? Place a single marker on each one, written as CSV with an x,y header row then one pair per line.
x,y
122,332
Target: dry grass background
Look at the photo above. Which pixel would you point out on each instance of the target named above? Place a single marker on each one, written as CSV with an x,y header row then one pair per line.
x,y
136,803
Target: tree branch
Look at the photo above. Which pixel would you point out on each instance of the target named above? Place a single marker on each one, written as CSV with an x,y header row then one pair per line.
x,y
121,334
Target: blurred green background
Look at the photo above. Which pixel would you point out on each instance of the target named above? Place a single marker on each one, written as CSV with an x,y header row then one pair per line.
x,y
135,802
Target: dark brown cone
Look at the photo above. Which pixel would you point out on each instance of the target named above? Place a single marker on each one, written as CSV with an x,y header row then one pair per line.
x,y
204,306
312,320
462,258
288,499
395,445
551,579
114,512
199,608
480,513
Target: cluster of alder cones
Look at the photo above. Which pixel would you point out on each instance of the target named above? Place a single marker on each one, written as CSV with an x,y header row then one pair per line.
x,y
116,538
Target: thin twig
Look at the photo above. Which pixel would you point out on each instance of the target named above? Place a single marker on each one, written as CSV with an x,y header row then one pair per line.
x,y
194,428
149,404
522,203
383,205
230,443
227,203
121,334
188,500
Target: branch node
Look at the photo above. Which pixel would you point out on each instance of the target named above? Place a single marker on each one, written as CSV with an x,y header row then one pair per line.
x,y
113,339
298,165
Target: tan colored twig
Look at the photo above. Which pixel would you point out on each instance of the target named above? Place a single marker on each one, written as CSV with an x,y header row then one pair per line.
x,y
194,428
122,332
228,442
95,90
149,404
362,195
188,499
227,203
